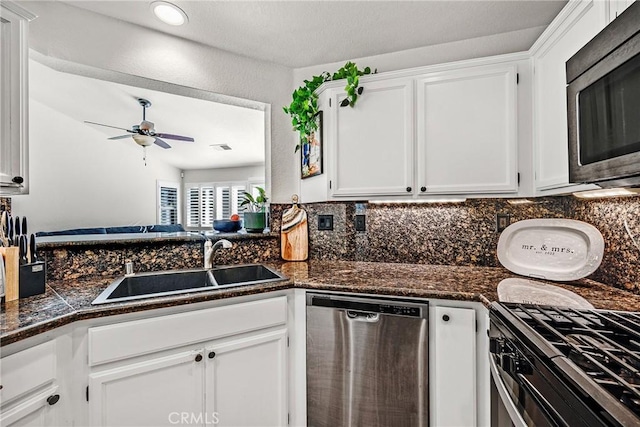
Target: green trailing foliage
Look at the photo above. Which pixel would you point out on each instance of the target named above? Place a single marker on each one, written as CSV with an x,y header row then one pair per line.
x,y
304,107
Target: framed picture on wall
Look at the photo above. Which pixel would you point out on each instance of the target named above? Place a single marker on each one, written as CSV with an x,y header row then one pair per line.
x,y
312,152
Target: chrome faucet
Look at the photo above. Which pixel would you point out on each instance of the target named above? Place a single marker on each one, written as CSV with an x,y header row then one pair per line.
x,y
210,249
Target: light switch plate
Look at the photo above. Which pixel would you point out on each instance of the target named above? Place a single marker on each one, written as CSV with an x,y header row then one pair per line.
x,y
502,221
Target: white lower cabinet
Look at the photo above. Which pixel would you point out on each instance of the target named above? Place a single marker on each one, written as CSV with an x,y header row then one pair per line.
x,y
238,382
29,392
247,380
34,411
453,401
155,392
224,366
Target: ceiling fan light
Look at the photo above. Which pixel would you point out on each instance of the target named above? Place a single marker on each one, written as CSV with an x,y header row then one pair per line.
x,y
143,140
169,13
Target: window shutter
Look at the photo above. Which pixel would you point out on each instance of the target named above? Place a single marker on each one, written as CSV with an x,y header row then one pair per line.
x,y
193,207
207,206
168,205
237,193
224,202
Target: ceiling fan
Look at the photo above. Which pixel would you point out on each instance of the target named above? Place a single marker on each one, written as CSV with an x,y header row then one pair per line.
x,y
145,134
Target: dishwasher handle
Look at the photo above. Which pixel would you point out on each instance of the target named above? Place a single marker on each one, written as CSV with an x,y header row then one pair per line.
x,y
361,316
363,307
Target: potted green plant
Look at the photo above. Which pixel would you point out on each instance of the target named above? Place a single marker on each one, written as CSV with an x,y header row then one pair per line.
x,y
255,215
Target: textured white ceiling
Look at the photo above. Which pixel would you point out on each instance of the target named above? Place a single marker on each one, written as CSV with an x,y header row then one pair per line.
x,y
304,33
115,104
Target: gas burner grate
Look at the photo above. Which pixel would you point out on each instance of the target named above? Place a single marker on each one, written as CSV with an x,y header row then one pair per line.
x,y
605,345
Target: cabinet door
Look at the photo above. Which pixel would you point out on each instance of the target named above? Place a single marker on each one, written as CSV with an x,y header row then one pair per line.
x,y
454,367
157,392
467,131
247,380
34,411
578,23
372,143
14,112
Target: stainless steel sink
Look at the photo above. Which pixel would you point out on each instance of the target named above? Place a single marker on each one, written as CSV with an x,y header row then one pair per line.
x,y
244,274
148,285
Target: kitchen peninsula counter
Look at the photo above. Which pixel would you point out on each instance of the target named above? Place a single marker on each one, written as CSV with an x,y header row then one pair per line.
x,y
69,300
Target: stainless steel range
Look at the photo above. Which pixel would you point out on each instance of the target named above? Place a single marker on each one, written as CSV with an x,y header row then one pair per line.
x,y
565,367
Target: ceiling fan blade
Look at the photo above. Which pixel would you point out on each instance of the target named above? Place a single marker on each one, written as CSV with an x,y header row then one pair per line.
x,y
120,137
108,126
161,143
176,137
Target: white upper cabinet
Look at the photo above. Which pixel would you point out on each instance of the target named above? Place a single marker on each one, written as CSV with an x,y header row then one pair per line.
x,y
578,23
14,110
449,129
467,131
372,149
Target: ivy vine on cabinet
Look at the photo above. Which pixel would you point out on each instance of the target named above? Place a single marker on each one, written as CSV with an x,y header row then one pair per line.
x,y
14,110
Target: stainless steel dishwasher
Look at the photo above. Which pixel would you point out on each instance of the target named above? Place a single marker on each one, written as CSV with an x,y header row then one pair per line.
x,y
367,362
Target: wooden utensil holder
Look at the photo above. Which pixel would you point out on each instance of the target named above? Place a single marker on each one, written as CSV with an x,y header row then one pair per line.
x,y
11,257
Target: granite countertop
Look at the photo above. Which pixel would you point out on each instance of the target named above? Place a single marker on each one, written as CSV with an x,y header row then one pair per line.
x,y
52,242
70,300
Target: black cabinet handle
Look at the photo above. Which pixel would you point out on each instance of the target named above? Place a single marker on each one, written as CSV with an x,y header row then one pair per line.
x,y
212,354
53,399
408,189
198,357
17,180
446,317
423,189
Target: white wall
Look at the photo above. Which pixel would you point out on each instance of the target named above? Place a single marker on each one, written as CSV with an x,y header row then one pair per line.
x,y
114,188
225,174
64,32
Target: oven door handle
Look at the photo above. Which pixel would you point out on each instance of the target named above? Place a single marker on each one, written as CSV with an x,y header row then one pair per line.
x,y
510,406
551,414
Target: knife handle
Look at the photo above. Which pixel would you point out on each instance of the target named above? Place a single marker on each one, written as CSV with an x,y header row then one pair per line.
x,y
24,225
23,250
33,257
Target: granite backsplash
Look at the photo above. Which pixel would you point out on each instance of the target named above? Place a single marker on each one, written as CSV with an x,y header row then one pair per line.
x,y
465,233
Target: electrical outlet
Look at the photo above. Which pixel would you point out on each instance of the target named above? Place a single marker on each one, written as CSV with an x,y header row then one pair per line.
x,y
361,223
325,222
502,221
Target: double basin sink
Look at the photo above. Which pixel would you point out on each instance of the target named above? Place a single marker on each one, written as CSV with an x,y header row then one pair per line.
x,y
146,285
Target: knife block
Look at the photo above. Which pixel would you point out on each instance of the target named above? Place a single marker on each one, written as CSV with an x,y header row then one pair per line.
x,y
32,279
11,257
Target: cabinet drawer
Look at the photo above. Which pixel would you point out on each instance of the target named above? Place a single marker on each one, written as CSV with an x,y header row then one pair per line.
x,y
27,371
120,341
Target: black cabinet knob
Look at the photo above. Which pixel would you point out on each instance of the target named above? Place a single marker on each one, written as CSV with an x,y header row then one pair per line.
x,y
212,354
446,317
423,189
17,180
198,357
53,399
408,189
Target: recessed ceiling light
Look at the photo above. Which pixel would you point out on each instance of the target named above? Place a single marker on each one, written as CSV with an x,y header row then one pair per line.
x,y
169,13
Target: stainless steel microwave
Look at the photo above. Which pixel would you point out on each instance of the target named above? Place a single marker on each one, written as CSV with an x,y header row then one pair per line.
x,y
603,105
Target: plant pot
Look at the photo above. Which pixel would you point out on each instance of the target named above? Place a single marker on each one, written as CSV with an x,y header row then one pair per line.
x,y
255,222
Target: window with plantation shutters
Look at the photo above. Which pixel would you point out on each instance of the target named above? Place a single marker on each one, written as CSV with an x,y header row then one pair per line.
x,y
168,203
208,201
